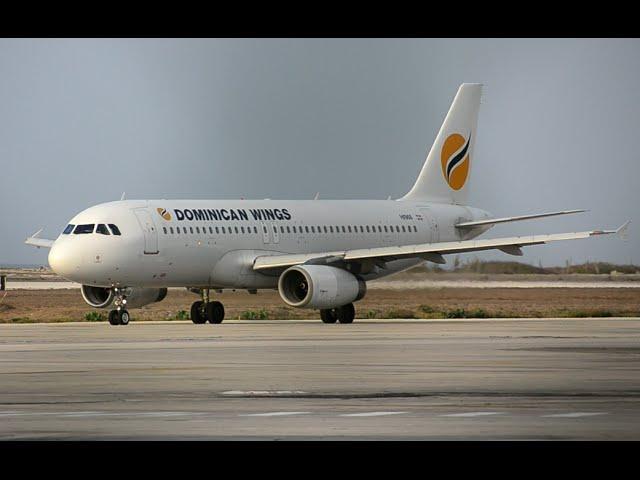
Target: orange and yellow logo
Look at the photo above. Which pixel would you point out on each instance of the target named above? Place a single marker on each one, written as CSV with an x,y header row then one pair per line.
x,y
164,214
455,160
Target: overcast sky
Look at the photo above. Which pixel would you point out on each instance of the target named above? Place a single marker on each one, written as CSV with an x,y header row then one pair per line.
x,y
81,121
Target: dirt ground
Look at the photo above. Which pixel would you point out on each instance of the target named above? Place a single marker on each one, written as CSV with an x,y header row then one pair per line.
x,y
68,305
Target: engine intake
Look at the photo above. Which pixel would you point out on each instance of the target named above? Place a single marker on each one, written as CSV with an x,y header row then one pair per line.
x,y
101,297
320,286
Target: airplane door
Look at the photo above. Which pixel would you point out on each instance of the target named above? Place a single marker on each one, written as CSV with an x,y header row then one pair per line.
x,y
276,235
149,230
265,232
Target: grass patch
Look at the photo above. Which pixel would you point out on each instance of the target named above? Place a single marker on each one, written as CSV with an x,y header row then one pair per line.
x,y
261,314
398,313
181,315
94,317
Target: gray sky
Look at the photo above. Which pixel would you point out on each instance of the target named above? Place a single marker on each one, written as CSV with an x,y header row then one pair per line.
x,y
81,121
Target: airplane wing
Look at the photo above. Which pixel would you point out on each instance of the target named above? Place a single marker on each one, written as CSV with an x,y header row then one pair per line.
x,y
428,251
493,221
36,241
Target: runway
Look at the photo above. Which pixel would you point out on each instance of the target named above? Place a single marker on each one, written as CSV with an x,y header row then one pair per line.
x,y
375,379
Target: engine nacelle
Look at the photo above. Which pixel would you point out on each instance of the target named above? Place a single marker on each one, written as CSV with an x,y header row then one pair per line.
x,y
101,297
319,286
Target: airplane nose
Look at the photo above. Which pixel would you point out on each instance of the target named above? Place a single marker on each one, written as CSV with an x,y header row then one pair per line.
x,y
61,260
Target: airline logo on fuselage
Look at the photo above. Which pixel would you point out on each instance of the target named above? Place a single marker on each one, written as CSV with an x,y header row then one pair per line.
x,y
209,214
455,160
164,214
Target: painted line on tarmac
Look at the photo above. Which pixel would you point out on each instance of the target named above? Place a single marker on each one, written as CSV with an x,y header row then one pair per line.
x,y
471,414
575,414
263,392
272,414
370,414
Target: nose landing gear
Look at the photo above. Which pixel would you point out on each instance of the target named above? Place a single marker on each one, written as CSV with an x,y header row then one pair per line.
x,y
119,316
203,311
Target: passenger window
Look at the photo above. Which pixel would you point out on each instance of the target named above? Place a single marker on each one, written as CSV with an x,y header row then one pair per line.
x,y
367,228
80,229
313,230
171,230
349,228
294,229
236,229
275,230
325,229
331,228
102,229
211,230
198,230
68,229
164,229
217,230
397,229
281,229
288,229
222,229
379,228
415,229
306,229
403,230
255,230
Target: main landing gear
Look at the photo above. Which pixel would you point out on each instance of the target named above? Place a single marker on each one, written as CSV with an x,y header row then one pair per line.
x,y
203,311
119,316
344,314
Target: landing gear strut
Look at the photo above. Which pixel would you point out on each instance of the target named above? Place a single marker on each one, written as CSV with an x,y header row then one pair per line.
x,y
119,316
203,311
344,314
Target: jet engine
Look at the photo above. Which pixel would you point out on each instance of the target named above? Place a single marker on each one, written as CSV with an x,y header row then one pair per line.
x,y
319,286
101,297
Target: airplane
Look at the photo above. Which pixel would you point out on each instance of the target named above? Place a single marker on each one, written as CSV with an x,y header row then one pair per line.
x,y
319,254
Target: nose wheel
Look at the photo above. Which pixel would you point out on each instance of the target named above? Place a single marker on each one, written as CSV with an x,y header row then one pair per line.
x,y
119,317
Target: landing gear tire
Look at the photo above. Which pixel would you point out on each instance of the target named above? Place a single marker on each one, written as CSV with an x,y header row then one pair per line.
x,y
329,315
119,317
114,318
215,312
197,315
346,313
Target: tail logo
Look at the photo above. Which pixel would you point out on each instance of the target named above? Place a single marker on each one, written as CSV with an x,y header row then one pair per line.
x,y
455,160
164,214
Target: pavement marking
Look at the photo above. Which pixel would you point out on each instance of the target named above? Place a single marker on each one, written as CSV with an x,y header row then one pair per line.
x,y
471,414
575,414
272,414
263,392
370,414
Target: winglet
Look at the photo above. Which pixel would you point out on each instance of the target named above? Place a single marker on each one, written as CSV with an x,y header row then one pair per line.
x,y
35,235
622,232
122,196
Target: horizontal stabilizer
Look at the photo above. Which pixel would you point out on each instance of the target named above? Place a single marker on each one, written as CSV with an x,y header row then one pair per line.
x,y
493,221
36,241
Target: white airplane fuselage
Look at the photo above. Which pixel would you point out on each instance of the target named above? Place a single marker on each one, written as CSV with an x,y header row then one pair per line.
x,y
212,243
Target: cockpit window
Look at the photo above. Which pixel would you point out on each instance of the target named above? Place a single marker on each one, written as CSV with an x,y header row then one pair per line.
x,y
115,230
68,229
88,228
102,228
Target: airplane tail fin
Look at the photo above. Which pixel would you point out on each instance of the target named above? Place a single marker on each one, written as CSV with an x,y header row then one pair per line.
x,y
444,177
